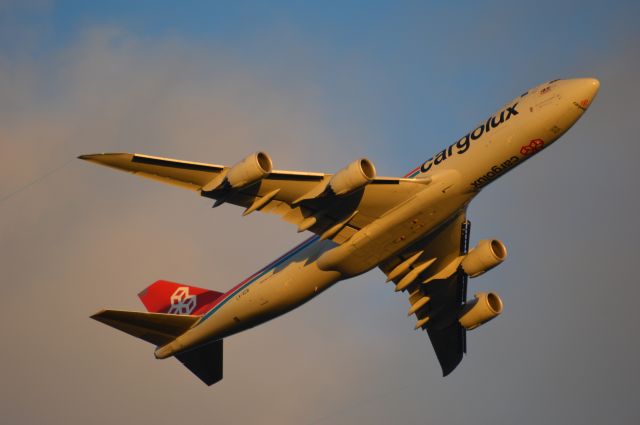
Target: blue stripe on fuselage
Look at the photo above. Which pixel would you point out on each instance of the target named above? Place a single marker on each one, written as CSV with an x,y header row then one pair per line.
x,y
255,277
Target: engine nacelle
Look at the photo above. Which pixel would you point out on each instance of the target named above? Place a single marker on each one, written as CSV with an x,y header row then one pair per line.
x,y
483,308
250,170
353,177
485,256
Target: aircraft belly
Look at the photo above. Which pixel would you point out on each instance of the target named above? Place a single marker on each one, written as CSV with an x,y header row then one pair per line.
x,y
376,250
399,228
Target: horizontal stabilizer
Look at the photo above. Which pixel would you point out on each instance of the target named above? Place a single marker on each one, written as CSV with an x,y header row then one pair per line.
x,y
205,362
156,328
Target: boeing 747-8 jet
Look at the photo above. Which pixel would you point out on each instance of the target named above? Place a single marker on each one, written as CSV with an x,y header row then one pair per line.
x,y
414,228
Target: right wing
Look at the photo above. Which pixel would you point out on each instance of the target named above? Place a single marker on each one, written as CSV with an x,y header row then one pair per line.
x,y
296,196
430,272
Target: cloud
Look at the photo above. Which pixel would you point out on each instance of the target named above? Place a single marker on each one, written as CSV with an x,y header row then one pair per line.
x,y
86,237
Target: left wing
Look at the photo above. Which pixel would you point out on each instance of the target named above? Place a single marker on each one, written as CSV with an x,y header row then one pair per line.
x,y
430,272
302,198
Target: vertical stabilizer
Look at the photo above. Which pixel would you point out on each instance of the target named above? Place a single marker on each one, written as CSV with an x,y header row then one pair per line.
x,y
177,298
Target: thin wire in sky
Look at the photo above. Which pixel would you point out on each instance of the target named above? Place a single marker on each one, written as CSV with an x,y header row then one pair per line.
x,y
34,181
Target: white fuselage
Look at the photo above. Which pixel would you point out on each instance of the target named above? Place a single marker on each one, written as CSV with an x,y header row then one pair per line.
x,y
456,175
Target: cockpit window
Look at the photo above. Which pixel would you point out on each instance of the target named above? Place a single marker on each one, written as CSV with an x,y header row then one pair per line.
x,y
524,94
553,81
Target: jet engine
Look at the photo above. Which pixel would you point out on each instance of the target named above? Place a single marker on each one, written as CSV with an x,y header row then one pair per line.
x,y
485,256
250,170
483,308
353,177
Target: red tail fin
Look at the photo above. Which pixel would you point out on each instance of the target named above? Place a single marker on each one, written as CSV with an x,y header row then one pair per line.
x,y
176,298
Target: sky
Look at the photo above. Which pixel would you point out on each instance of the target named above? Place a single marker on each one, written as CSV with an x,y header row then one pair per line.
x,y
316,86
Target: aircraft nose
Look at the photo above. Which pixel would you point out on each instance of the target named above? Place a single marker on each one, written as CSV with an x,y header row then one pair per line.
x,y
584,90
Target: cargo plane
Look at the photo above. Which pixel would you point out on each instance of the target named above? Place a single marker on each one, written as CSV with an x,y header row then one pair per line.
x,y
413,228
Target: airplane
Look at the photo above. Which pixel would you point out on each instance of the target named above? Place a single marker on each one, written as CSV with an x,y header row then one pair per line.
x,y
413,228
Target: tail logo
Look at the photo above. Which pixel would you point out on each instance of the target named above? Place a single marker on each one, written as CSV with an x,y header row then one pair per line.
x,y
182,302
